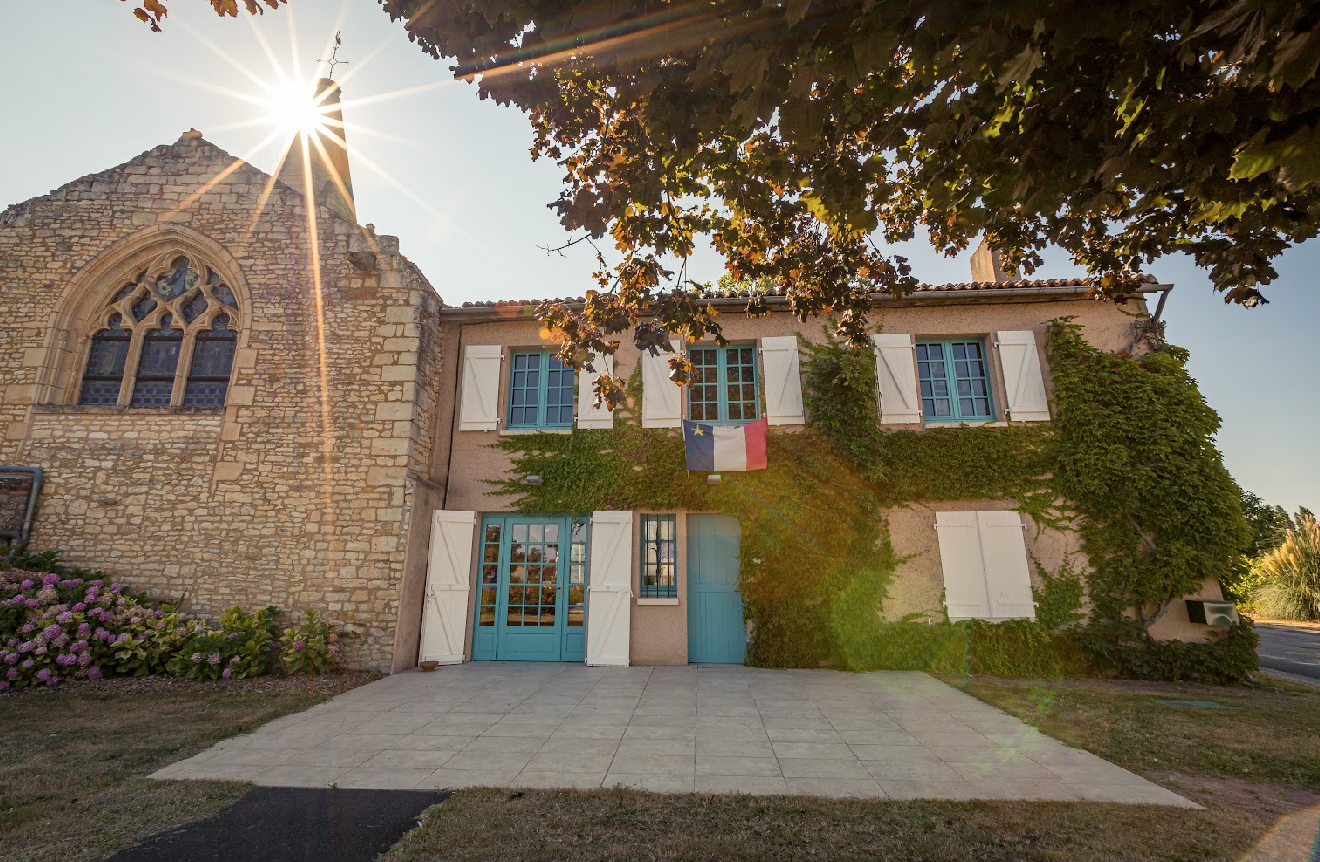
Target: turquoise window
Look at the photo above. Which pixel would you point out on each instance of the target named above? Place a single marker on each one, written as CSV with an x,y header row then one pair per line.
x,y
955,382
541,391
659,557
724,385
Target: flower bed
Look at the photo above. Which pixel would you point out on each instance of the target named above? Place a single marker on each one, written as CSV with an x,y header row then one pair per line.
x,y
61,625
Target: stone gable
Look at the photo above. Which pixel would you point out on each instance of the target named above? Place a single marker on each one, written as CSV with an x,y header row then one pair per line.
x,y
299,491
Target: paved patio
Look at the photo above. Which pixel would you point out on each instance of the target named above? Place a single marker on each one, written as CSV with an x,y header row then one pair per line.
x,y
699,728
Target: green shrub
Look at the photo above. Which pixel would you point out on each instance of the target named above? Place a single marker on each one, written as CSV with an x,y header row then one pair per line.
x,y
1228,657
240,648
1014,648
311,647
1290,576
935,647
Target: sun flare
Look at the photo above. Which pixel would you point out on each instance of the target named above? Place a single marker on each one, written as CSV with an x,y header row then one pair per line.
x,y
293,108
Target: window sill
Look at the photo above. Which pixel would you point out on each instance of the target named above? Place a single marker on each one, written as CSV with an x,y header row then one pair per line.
x,y
653,602
519,432
729,424
116,410
958,423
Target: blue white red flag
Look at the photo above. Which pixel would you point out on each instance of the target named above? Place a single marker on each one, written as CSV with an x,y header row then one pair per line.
x,y
725,448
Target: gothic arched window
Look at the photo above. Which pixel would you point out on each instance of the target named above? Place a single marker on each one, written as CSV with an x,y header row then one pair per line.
x,y
167,339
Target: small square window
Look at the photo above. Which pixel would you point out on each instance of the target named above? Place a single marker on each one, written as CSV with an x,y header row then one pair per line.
x,y
659,567
542,391
953,381
725,387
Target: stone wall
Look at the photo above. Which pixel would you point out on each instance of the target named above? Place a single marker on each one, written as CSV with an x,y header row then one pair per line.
x,y
298,493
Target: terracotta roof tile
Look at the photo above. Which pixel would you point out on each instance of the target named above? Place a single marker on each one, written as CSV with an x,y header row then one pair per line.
x,y
922,288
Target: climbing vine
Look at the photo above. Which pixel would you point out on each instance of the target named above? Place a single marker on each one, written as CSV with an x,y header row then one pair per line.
x,y
1131,452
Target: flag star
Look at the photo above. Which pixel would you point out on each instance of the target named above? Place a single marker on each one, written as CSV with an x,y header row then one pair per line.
x,y
697,431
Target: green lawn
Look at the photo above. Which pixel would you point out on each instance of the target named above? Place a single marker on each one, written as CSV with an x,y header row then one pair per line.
x,y
73,764
1250,765
73,784
1268,734
622,824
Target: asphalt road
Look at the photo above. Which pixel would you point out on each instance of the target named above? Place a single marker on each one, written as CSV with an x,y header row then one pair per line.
x,y
1292,649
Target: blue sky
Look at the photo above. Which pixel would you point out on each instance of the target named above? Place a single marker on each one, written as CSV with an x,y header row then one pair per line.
x,y
89,87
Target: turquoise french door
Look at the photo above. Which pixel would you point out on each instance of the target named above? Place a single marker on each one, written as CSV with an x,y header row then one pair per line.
x,y
715,615
531,600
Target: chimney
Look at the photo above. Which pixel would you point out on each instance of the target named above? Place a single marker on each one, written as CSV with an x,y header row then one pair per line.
x,y
987,265
329,161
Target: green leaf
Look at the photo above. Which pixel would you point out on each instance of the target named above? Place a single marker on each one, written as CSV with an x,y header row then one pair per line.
x,y
1297,159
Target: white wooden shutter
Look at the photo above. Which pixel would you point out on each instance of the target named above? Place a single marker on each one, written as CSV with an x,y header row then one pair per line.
x,y
1023,380
609,588
964,572
588,414
448,582
1007,577
661,405
783,381
479,409
896,371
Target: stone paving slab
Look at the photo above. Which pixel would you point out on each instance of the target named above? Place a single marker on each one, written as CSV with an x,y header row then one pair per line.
x,y
698,728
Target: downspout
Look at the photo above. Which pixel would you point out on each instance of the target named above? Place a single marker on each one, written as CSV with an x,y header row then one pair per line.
x,y
1164,290
453,422
30,514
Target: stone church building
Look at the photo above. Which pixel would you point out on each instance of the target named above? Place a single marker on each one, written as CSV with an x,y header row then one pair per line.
x,y
238,397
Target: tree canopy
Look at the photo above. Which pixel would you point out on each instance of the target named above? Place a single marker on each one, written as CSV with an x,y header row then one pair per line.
x,y
803,135
152,12
1270,524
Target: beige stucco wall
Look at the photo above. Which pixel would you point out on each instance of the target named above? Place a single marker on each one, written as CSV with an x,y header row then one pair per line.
x,y
919,581
473,460
1175,624
658,634
282,497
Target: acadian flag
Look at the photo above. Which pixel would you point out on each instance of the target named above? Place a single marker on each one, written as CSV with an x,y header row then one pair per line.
x,y
725,448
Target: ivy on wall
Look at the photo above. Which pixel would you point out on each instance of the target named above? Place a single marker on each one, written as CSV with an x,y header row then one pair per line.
x,y
1131,451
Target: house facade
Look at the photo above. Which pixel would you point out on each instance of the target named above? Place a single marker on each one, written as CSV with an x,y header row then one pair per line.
x,y
660,587
238,395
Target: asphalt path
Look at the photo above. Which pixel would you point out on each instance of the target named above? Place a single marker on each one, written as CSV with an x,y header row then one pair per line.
x,y
285,824
1290,648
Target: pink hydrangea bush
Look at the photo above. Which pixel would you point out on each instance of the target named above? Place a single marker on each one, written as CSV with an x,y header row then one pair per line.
x,y
240,648
311,647
71,624
54,627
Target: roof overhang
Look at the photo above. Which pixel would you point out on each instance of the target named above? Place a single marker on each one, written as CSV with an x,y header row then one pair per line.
x,y
952,295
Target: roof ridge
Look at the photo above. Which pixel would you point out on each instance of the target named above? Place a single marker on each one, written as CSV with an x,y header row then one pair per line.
x,y
1075,281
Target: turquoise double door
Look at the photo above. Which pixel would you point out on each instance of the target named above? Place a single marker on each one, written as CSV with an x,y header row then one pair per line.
x,y
715,615
531,601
